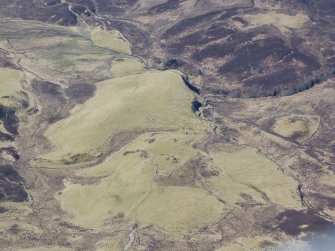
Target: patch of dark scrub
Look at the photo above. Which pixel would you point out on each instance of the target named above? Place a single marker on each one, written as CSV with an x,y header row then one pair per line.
x,y
114,8
51,98
46,87
6,61
78,158
228,14
216,91
182,176
142,153
323,201
208,173
234,40
168,5
218,31
81,10
157,243
118,141
3,210
190,86
189,23
215,32
240,20
263,194
248,201
11,185
52,2
307,84
32,111
61,15
8,64
251,57
116,11
80,92
249,65
24,103
327,7
83,4
272,85
5,137
213,51
268,83
173,64
9,119
11,151
301,194
266,245
14,229
52,11
151,141
291,221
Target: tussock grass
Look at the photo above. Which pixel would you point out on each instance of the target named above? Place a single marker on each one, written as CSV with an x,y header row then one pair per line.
x,y
281,21
298,127
152,100
128,189
246,171
9,84
126,66
112,40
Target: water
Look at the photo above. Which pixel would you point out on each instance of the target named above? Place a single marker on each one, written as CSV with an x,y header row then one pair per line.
x,y
318,242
